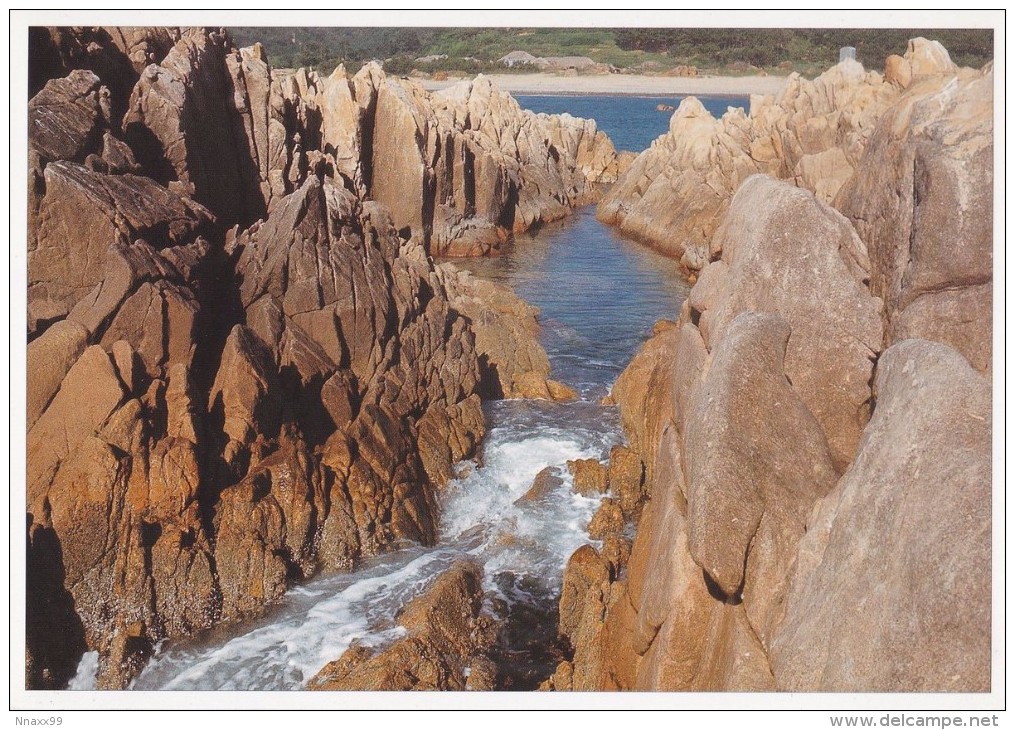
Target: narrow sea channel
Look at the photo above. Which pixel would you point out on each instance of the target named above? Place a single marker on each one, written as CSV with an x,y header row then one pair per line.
x,y
599,296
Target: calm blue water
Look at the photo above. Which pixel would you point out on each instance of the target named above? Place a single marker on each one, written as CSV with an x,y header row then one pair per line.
x,y
598,294
632,122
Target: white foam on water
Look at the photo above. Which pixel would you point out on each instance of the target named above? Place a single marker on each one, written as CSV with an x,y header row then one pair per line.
x,y
313,628
87,672
523,548
527,543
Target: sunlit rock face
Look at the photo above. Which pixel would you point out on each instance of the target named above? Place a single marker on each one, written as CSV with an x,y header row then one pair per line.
x,y
244,367
816,428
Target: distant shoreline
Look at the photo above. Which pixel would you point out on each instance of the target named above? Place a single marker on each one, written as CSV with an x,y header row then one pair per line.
x,y
626,85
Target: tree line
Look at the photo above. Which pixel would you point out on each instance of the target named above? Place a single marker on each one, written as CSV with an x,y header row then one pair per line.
x,y
477,49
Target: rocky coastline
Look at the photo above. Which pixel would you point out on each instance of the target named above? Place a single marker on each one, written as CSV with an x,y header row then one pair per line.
x,y
244,365
815,429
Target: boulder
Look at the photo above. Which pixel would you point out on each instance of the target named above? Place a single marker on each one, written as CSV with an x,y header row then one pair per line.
x,y
590,476
51,356
774,237
607,521
922,58
917,499
643,393
922,200
89,393
756,460
67,117
626,479
542,486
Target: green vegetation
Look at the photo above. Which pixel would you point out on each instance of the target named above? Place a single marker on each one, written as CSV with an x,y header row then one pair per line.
x,y
769,47
712,50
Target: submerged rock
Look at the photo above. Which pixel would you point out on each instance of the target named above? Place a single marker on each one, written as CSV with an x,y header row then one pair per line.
x,y
545,482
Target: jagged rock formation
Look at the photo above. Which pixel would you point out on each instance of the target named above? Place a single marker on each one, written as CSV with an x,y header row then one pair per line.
x,y
447,646
215,412
216,123
812,134
116,56
591,577
807,459
462,169
467,166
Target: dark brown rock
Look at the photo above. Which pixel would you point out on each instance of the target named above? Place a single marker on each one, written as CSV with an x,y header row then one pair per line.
x,y
212,120
67,118
179,123
70,418
115,55
249,532
590,476
221,414
246,392
84,246
447,636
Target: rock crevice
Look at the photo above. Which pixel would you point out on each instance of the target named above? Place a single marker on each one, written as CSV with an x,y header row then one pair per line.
x,y
807,458
242,370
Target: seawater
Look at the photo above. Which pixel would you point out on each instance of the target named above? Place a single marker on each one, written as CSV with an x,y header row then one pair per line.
x,y
631,122
598,296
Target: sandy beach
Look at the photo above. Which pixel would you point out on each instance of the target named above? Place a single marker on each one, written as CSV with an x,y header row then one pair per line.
x,y
628,84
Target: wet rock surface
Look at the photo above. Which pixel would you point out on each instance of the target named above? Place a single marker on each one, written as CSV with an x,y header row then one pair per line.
x,y
246,369
447,645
